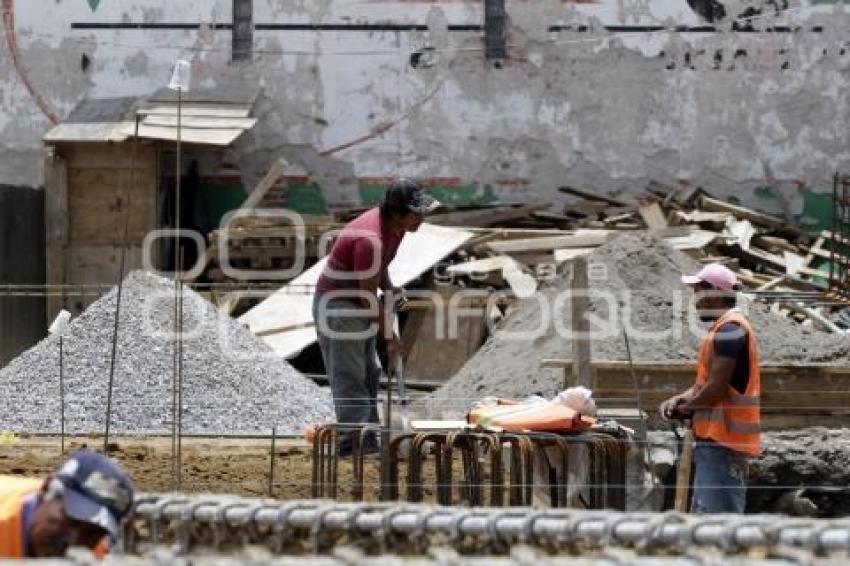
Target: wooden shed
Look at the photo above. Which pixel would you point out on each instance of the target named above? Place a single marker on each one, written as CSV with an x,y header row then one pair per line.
x,y
99,177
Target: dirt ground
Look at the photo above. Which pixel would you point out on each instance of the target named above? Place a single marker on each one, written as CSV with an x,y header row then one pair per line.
x,y
232,466
225,466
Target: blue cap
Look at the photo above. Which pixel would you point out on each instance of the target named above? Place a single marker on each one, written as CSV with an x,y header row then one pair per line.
x,y
96,490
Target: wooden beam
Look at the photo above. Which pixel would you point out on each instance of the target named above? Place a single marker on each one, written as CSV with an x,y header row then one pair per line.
x,y
264,186
589,238
715,205
683,473
485,217
690,367
592,196
772,401
653,215
582,373
56,223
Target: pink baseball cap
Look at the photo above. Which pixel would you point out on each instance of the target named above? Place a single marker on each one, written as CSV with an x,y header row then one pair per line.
x,y
717,275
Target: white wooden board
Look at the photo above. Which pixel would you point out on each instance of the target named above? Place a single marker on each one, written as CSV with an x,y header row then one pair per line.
x,y
292,304
200,110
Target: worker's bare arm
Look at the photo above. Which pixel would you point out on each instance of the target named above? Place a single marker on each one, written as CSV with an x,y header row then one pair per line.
x,y
719,376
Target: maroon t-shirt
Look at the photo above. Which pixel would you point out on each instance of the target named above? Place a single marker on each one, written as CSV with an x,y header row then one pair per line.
x,y
363,249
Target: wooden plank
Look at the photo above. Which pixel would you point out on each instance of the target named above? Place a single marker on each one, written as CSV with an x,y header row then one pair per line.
x,y
694,241
697,216
690,367
90,132
715,205
818,319
201,122
208,136
653,215
683,473
484,265
569,254
99,200
269,180
756,255
827,234
772,243
577,240
819,252
579,305
108,156
456,335
517,233
199,110
799,401
592,196
56,224
485,217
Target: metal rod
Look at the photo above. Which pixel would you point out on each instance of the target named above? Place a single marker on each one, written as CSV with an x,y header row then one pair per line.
x,y
180,378
121,264
271,463
639,402
178,175
175,355
61,395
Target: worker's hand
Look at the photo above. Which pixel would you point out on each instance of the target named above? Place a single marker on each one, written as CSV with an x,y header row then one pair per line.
x,y
667,408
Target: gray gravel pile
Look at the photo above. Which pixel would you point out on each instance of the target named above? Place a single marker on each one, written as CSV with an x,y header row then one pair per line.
x,y
640,276
232,383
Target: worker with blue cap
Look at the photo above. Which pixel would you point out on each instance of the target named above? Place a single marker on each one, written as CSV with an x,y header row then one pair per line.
x,y
81,505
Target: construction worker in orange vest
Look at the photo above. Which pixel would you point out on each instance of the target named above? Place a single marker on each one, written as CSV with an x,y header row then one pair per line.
x,y
723,404
81,505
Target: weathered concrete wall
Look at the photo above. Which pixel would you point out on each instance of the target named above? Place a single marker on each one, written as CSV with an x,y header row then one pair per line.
x,y
661,93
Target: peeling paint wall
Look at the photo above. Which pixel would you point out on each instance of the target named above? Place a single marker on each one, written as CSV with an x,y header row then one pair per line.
x,y
606,94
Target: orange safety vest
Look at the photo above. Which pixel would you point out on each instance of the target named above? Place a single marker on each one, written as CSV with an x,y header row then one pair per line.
x,y
13,491
734,422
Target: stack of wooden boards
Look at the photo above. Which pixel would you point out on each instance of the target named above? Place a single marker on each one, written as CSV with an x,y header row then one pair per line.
x,y
262,249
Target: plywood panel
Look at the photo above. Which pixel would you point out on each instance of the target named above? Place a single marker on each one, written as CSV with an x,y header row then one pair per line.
x,y
96,265
109,155
455,334
98,202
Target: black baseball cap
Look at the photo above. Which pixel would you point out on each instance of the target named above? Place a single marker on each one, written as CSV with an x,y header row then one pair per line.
x,y
407,194
96,490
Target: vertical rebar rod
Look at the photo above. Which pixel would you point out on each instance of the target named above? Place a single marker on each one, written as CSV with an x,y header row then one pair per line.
x,y
176,361
180,378
121,264
833,272
385,430
61,395
271,463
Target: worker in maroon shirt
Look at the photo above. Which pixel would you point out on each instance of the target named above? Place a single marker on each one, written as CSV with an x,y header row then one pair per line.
x,y
349,318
